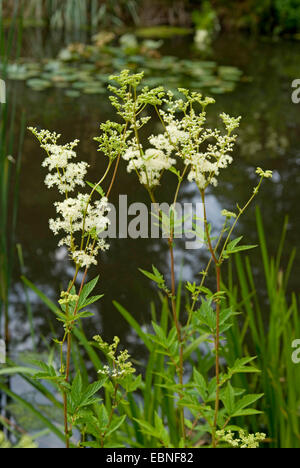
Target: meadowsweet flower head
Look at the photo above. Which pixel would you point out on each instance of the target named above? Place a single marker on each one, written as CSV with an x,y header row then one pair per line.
x,y
78,215
264,174
59,155
244,440
228,214
112,141
80,221
121,365
66,181
231,123
149,165
67,298
184,137
45,136
63,173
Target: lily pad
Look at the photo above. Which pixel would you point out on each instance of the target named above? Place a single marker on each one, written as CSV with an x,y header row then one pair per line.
x,y
39,84
82,68
72,93
163,32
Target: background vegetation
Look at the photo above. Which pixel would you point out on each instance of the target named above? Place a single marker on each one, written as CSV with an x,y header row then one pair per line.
x,y
270,316
261,16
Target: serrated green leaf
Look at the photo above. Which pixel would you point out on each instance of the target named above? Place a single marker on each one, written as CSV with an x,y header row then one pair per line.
x,y
228,399
245,401
86,291
98,188
90,301
115,425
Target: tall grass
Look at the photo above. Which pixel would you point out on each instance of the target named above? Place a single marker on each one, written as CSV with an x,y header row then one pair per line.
x,y
77,14
10,165
271,323
268,324
153,397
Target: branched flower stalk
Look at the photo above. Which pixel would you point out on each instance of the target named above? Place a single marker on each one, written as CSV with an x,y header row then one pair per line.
x,y
193,153
203,153
81,220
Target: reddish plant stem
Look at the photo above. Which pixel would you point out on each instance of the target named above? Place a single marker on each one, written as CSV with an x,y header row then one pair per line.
x,y
114,176
217,335
175,318
66,421
68,362
69,339
177,325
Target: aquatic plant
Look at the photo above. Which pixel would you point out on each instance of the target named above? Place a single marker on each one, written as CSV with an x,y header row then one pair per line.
x,y
10,164
86,68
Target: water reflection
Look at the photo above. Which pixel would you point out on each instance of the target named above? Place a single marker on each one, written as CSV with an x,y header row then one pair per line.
x,y
268,138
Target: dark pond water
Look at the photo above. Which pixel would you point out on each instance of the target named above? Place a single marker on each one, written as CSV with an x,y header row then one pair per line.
x,y
268,137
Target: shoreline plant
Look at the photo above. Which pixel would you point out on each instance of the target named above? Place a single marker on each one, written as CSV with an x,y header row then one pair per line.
x,y
198,404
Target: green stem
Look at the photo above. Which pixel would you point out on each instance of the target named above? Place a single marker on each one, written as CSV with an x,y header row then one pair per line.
x,y
241,212
217,335
68,362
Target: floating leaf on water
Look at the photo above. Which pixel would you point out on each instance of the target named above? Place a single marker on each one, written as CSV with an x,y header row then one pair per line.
x,y
86,68
39,84
94,89
72,93
79,85
53,65
62,85
163,32
230,73
216,90
65,55
228,86
208,64
152,45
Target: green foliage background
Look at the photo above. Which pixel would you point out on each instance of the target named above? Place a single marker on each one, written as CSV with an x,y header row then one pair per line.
x,y
263,16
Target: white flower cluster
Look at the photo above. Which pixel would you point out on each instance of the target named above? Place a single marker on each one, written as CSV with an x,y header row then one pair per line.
x,y
206,151
64,174
78,214
248,441
121,364
203,151
148,165
114,373
86,258
70,177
